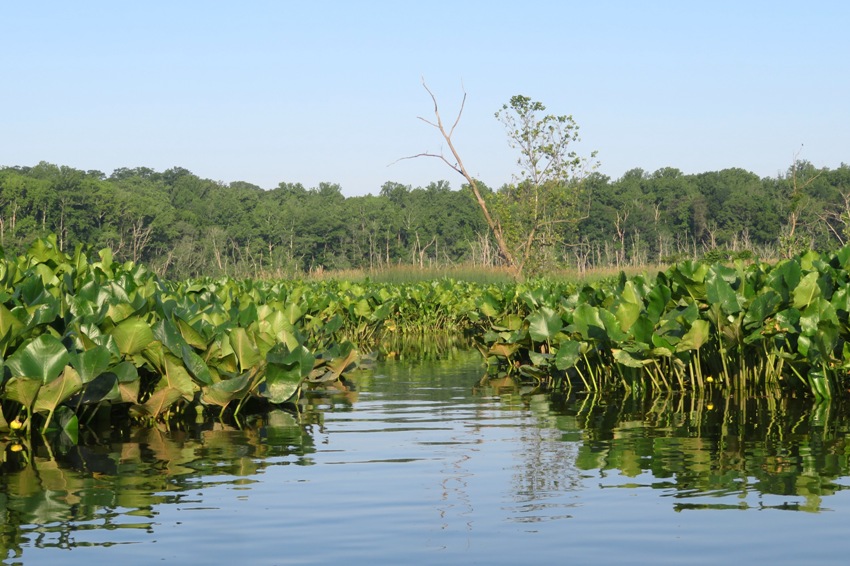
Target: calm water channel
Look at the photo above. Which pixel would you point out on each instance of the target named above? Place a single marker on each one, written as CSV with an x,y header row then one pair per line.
x,y
419,466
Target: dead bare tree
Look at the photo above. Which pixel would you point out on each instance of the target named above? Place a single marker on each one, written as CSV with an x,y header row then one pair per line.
x,y
838,221
458,166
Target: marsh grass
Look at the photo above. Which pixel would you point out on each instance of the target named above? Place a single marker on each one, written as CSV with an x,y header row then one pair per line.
x,y
475,274
414,274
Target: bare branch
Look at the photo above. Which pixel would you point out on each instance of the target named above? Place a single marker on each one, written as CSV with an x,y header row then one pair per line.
x,y
459,114
439,156
430,123
458,166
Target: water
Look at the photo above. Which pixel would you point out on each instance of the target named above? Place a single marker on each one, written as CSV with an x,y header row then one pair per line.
x,y
420,466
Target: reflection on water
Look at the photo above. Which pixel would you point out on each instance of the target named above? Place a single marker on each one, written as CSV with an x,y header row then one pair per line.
x,y
696,448
48,499
420,459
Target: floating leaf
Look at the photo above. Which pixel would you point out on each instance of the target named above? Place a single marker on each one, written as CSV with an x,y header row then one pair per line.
x,y
503,350
331,370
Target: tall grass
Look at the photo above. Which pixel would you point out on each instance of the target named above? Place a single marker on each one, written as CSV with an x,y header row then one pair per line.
x,y
414,274
475,274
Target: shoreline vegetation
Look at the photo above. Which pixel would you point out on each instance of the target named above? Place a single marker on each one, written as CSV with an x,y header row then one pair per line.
x,y
183,226
82,334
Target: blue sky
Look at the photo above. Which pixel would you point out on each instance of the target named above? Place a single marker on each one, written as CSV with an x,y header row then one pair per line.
x,y
271,91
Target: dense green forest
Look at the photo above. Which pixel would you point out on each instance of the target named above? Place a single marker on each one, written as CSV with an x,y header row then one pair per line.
x,y
182,225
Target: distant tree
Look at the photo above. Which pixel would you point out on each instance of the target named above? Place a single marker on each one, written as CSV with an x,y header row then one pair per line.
x,y
799,201
535,213
543,207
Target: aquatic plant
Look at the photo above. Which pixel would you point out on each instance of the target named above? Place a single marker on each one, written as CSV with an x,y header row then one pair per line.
x,y
746,327
80,334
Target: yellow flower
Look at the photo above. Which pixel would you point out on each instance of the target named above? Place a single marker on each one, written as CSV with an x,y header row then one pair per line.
x,y
16,425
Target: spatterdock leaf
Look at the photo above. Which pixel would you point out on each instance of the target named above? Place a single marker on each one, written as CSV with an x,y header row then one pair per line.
x,y
223,392
568,354
132,336
695,337
22,389
178,377
282,382
43,359
720,292
544,324
57,391
285,370
807,291
196,366
626,359
245,349
160,401
91,363
167,332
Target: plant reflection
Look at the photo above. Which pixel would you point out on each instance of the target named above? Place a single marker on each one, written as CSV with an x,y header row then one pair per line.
x,y
710,452
47,498
714,447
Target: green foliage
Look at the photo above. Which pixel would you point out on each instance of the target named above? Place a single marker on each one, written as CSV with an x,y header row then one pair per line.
x,y
747,328
78,334
183,226
539,213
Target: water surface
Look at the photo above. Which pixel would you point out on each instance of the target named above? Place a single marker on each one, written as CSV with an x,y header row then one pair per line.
x,y
420,465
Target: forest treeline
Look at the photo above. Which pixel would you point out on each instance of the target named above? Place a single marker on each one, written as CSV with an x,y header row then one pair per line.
x,y
182,225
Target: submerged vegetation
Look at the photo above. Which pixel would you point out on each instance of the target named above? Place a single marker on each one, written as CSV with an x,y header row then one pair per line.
x,y
82,335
